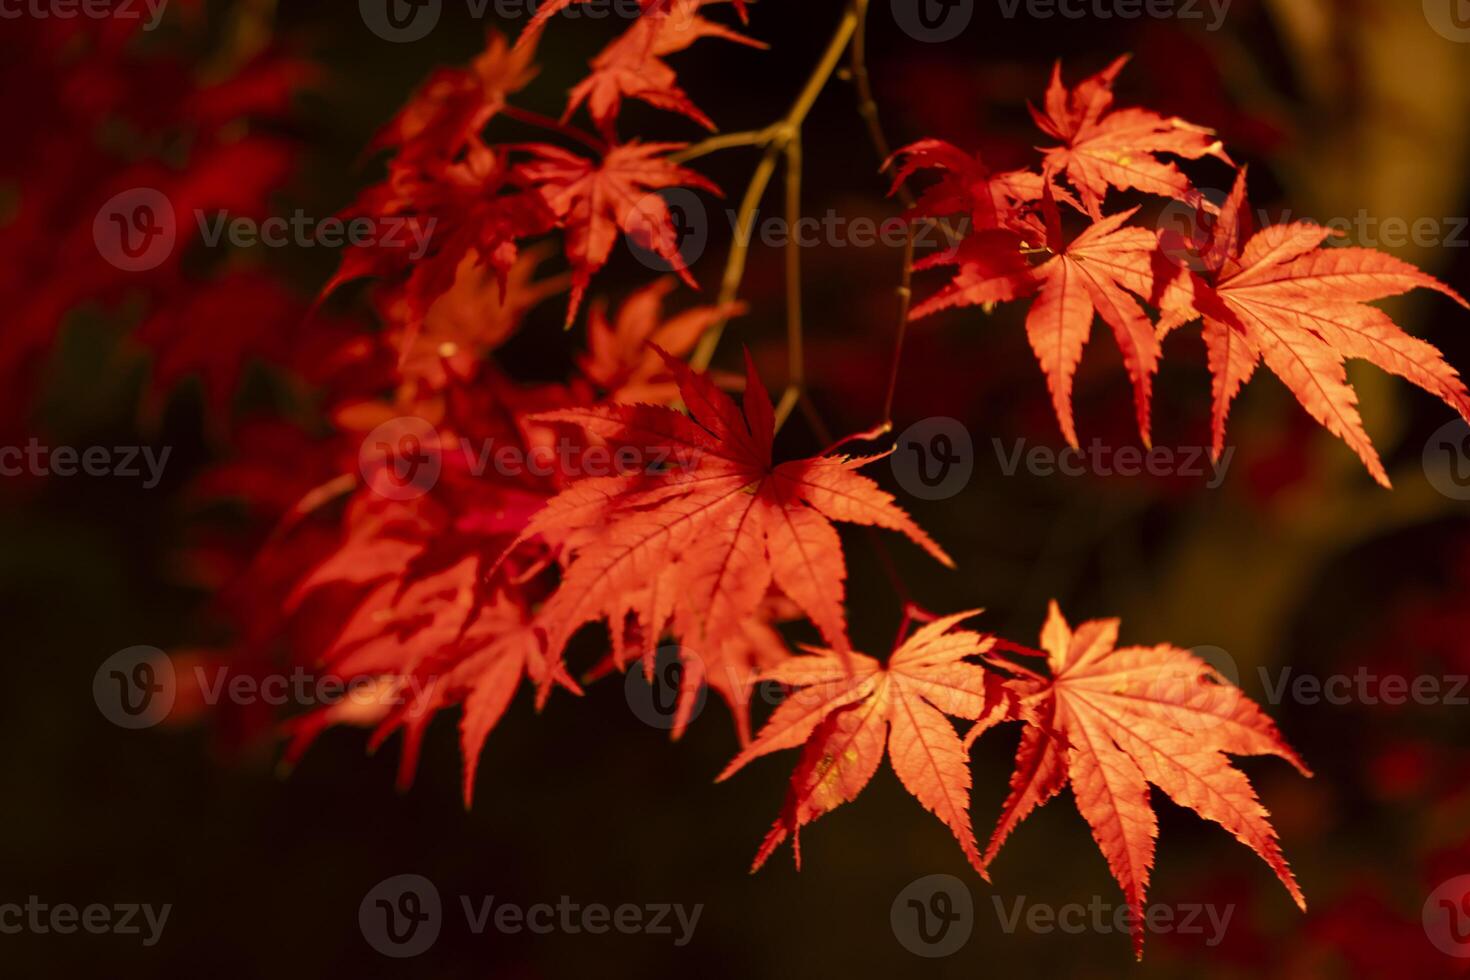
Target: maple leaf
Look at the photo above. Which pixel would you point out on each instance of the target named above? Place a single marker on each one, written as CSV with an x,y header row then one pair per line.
x,y
452,107
844,710
474,316
1104,147
439,213
1089,276
631,67
621,357
700,538
1279,297
966,185
419,640
1111,721
421,621
650,9
594,200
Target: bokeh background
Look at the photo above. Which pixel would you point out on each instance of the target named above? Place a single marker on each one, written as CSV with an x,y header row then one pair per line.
x,y
1298,560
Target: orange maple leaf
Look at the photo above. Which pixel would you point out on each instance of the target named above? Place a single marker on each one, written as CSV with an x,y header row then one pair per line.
x,y
649,10
1092,275
432,641
1104,147
452,107
1109,722
966,185
631,67
845,710
594,200
700,538
622,354
1281,298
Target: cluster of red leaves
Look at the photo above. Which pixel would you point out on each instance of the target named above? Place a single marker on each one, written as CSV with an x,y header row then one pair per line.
x,y
480,199
1108,722
460,589
1275,296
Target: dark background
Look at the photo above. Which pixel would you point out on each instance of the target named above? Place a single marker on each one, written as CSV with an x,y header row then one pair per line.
x,y
1297,560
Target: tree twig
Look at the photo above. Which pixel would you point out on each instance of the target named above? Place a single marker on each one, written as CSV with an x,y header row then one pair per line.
x,y
779,137
795,356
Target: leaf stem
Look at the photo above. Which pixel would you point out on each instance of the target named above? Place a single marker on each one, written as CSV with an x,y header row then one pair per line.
x,y
554,125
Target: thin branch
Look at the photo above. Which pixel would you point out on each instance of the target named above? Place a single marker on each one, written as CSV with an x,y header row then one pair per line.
x,y
905,296
867,105
868,108
739,250
780,136
795,357
724,141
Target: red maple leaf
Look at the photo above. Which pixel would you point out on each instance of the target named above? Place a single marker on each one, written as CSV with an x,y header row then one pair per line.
x,y
1089,276
623,355
966,185
650,9
844,710
631,67
430,214
594,200
417,638
1111,721
1102,147
1277,296
452,107
697,538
